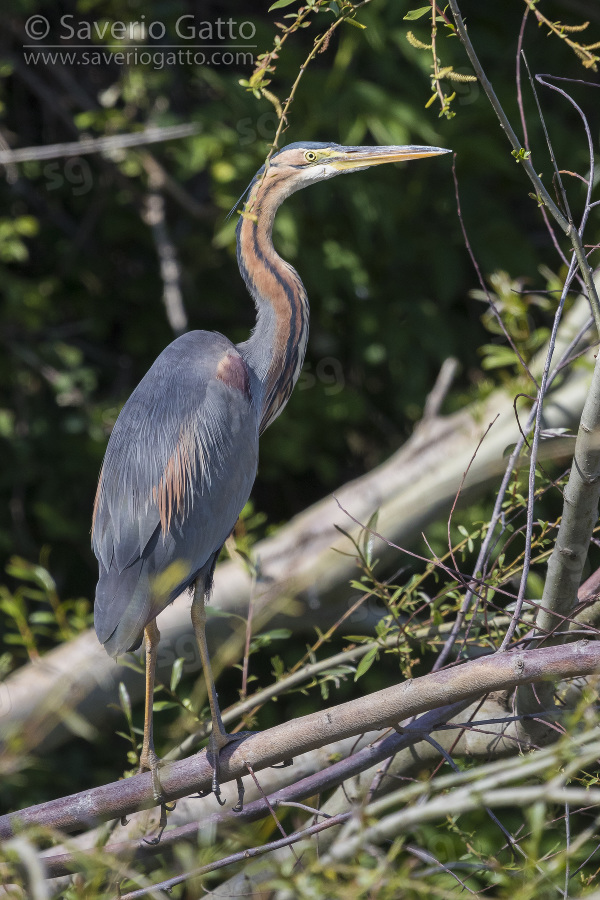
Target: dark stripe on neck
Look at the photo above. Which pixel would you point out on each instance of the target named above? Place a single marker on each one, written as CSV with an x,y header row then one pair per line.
x,y
282,368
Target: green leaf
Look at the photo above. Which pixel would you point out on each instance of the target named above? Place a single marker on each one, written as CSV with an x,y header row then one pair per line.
x,y
367,536
264,639
176,673
41,617
366,662
125,701
356,24
521,154
280,4
417,13
496,356
278,667
279,634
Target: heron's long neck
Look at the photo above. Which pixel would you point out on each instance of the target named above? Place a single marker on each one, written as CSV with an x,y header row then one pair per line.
x,y
276,347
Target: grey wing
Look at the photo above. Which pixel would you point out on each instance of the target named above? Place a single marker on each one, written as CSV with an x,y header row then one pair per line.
x,y
178,469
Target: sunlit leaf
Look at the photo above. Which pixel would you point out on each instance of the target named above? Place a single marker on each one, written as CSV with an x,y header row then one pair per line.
x,y
417,13
176,673
366,662
279,4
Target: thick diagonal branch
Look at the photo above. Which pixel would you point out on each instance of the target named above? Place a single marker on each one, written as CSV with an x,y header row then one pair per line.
x,y
500,671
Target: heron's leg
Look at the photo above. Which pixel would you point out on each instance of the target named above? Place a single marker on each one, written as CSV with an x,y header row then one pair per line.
x,y
218,736
148,758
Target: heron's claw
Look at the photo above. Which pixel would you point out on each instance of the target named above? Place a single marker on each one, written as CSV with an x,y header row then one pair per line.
x,y
218,740
217,794
283,764
200,795
241,790
162,824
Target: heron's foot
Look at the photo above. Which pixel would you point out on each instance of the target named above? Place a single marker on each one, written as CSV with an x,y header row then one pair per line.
x,y
217,741
150,762
162,824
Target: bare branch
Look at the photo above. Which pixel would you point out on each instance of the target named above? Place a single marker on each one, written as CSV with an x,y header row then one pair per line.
x,y
98,145
374,711
170,270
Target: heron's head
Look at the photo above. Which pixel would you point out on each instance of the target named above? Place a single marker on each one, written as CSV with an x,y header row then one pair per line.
x,y
303,163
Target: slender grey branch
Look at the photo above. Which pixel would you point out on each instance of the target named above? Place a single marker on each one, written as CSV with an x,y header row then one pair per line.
x,y
533,464
98,145
588,134
558,182
241,856
540,190
462,801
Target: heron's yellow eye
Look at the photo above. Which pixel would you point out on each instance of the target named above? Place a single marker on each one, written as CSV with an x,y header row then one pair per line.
x,y
310,156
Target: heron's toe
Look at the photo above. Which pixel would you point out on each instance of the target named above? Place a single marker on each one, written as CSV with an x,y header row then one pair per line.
x,y
150,762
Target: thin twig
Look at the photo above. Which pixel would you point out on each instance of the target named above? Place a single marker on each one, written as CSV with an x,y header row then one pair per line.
x,y
533,462
518,79
540,189
241,856
246,661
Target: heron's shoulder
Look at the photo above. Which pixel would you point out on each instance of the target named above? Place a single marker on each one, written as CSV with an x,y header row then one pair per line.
x,y
203,345
210,355
200,350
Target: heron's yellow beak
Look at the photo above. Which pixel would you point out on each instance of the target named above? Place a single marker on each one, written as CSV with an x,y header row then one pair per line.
x,y
363,157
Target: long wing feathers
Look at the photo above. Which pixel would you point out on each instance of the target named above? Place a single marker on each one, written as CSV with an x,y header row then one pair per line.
x,y
178,469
